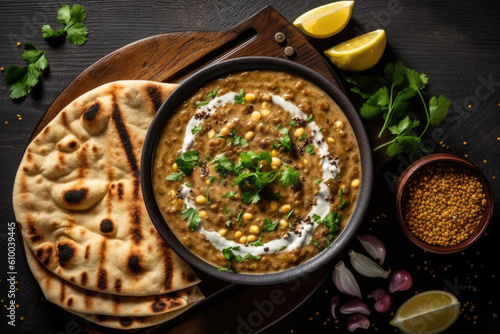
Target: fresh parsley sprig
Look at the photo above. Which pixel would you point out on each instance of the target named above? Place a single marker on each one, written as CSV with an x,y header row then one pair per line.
x,y
72,18
231,257
389,95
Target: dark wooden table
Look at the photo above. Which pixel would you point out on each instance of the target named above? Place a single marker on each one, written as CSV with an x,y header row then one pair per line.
x,y
456,43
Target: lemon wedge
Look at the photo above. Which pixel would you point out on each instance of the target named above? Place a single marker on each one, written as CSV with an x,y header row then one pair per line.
x,y
428,312
326,20
360,53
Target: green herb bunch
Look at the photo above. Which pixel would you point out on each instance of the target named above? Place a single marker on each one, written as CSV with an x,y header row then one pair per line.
x,y
390,95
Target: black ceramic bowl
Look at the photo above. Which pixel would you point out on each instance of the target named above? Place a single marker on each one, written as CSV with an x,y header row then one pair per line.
x,y
218,70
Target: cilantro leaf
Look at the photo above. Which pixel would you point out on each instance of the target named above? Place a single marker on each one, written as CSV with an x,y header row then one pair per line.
x,y
257,243
286,142
240,98
211,95
231,257
269,225
208,197
343,203
310,118
310,149
237,140
395,73
315,243
229,194
282,247
289,176
403,144
179,176
332,221
251,196
417,80
290,214
187,161
23,79
251,160
196,129
438,108
376,103
72,18
192,216
224,161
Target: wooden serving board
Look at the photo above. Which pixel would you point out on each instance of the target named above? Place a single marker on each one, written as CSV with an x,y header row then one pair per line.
x,y
171,58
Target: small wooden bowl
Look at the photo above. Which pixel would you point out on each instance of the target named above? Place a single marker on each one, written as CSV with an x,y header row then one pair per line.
x,y
417,166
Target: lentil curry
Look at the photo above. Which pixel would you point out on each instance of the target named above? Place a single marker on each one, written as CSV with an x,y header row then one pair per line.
x,y
257,172
443,204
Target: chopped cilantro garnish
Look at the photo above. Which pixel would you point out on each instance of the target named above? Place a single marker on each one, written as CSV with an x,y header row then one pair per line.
x,y
228,223
240,215
343,203
269,225
207,196
315,243
285,142
74,28
282,247
237,140
196,129
189,184
290,176
229,194
257,243
318,181
226,211
240,98
202,103
193,217
208,97
316,218
302,137
278,127
211,178
231,257
291,213
251,160
332,221
276,197
187,161
310,149
179,176
208,157
292,123
211,95
310,118
218,135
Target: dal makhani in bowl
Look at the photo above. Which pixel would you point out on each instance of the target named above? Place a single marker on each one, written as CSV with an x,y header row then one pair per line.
x,y
257,171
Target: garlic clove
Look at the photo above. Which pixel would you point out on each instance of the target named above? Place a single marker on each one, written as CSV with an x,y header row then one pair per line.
x,y
357,321
382,300
400,280
344,281
373,246
334,302
366,266
355,306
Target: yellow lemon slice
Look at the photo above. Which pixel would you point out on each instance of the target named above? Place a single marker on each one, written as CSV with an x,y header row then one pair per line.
x,y
360,53
428,312
326,20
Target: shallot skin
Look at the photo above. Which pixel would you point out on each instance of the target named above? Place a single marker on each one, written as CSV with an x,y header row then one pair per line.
x,y
400,280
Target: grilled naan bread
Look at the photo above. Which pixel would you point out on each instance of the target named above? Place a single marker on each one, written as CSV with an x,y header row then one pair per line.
x,y
131,322
78,200
76,299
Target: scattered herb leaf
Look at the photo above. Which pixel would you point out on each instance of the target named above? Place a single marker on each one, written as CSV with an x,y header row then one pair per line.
x,y
196,129
269,225
72,18
179,176
229,194
193,217
240,98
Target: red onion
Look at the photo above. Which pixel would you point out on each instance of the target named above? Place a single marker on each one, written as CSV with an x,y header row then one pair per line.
x,y
357,321
400,280
373,246
382,300
334,302
355,306
345,281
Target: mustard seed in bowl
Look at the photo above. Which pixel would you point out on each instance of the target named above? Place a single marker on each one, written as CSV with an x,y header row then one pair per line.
x,y
443,204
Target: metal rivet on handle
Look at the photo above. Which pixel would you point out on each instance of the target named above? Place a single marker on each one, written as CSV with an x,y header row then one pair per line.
x,y
289,51
279,37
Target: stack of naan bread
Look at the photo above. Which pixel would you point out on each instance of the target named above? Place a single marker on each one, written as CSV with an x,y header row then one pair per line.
x,y
77,197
